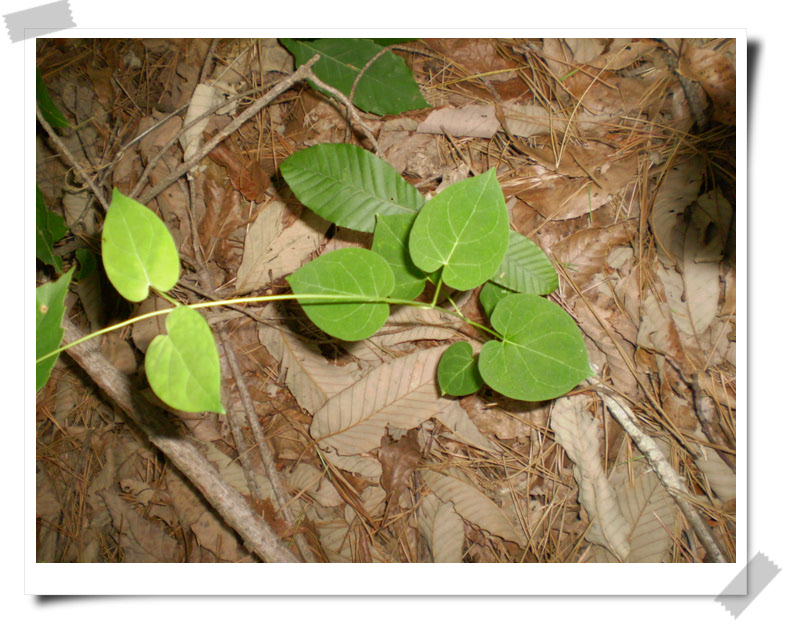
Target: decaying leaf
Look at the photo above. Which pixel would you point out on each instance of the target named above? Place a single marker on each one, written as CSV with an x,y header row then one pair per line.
x,y
442,528
246,175
401,393
472,505
577,432
399,460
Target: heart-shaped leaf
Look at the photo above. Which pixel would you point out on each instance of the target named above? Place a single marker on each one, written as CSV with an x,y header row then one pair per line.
x,y
348,186
526,268
542,355
137,249
463,229
346,272
183,365
458,372
50,298
390,241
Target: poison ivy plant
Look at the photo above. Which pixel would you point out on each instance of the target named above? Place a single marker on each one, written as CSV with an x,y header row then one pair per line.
x,y
386,88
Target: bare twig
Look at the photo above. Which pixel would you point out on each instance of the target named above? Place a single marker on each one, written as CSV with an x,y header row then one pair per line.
x,y
67,153
233,508
302,72
667,475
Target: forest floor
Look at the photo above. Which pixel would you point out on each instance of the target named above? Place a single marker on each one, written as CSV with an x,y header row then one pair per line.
x,y
617,157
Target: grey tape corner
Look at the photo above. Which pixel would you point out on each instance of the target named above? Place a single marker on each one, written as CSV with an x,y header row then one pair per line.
x,y
40,20
748,584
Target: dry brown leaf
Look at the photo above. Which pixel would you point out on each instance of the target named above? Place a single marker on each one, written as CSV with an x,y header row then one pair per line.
x,y
715,71
401,393
442,528
399,460
472,505
584,253
142,540
471,120
462,429
277,243
309,376
246,175
577,432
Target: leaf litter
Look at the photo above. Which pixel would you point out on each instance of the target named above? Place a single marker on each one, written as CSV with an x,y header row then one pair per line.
x,y
602,161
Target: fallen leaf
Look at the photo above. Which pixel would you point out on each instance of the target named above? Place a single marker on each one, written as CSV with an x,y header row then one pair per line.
x,y
399,460
246,175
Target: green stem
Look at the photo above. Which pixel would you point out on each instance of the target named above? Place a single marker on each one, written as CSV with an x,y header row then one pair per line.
x,y
266,298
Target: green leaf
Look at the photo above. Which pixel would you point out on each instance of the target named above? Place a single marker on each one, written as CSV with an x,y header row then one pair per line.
x,y
390,241
348,186
463,229
88,264
543,354
526,268
50,227
386,88
50,298
491,294
345,272
138,250
49,111
183,365
458,372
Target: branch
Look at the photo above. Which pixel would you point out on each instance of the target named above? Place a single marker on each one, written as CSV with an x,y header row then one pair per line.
x,y
231,506
667,475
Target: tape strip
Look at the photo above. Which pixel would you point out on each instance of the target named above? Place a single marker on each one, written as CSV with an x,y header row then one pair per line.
x,y
738,595
40,20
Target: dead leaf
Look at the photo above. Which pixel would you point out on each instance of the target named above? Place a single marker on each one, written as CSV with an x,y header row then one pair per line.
x,y
715,71
246,175
399,460
471,120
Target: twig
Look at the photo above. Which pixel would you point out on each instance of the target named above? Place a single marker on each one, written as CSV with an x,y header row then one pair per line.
x,y
62,147
667,475
709,426
302,72
231,506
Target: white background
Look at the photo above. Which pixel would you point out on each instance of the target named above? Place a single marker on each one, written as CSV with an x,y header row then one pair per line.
x,y
766,419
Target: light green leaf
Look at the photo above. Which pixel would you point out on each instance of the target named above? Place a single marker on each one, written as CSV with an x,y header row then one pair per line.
x,y
137,249
390,241
50,298
386,88
526,268
346,272
50,228
458,372
183,365
464,229
542,355
348,186
491,294
49,110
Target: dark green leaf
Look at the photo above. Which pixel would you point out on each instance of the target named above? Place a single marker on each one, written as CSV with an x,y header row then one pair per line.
x,y
386,88
490,295
349,186
50,228
49,111
526,268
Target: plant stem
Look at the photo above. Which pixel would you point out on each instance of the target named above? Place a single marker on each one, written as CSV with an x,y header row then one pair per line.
x,y
329,299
